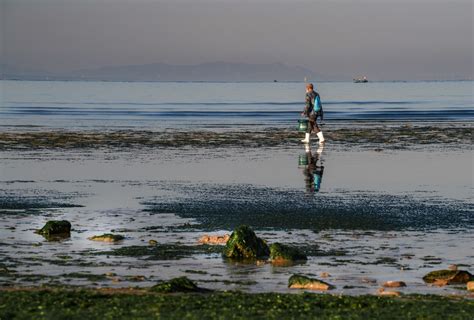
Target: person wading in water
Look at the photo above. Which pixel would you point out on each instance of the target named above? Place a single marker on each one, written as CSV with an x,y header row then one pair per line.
x,y
313,109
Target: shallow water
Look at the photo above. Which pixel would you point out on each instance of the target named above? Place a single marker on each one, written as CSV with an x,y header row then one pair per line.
x,y
390,215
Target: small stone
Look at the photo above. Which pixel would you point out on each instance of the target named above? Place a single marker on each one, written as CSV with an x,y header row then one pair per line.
x,y
136,278
110,274
324,275
470,286
453,267
107,237
152,242
218,239
391,293
394,284
261,262
303,282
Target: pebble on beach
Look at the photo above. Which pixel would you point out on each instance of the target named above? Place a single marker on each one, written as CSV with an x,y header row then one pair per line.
x,y
470,286
391,293
217,240
394,284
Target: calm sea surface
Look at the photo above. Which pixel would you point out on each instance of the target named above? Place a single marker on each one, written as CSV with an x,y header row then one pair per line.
x,y
95,105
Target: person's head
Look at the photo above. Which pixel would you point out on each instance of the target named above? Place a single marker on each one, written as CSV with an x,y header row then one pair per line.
x,y
309,87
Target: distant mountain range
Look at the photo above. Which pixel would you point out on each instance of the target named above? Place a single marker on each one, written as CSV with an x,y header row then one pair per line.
x,y
218,71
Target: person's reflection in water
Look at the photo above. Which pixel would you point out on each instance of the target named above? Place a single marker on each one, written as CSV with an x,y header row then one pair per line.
x,y
313,173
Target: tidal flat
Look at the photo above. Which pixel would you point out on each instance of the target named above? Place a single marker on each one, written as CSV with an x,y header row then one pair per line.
x,y
392,203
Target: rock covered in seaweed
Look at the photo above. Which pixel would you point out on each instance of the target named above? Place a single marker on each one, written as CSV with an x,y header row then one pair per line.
x,y
55,228
107,237
181,284
444,277
283,254
244,244
297,281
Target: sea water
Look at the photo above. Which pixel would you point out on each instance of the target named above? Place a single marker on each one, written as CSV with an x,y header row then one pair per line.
x,y
191,105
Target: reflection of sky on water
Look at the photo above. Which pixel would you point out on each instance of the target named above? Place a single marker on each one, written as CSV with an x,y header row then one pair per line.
x,y
113,188
446,174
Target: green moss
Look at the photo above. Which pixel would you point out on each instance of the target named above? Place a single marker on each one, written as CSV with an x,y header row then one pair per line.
x,y
140,304
303,282
448,276
244,244
281,252
181,284
108,237
56,228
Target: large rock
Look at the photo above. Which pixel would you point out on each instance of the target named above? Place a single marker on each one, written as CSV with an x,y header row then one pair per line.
x,y
281,254
181,284
107,237
302,282
444,277
56,228
244,244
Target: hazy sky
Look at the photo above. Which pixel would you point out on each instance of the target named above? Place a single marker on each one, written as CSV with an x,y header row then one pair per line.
x,y
384,39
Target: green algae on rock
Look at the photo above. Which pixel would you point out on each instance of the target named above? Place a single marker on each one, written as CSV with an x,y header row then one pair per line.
x,y
283,254
244,244
53,228
181,284
444,277
297,281
107,237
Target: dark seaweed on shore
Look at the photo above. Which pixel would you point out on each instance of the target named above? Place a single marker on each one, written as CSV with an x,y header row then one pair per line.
x,y
132,303
228,206
162,251
383,136
29,204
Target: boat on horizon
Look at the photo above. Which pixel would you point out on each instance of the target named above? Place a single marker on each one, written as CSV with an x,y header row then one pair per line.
x,y
361,80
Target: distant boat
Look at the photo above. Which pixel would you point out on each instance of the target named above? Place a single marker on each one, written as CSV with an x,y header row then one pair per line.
x,y
361,80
